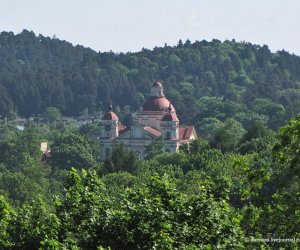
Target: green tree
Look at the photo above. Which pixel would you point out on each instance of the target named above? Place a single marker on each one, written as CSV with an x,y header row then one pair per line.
x,y
74,150
91,129
159,216
121,159
52,115
229,135
286,180
5,219
84,211
154,148
32,224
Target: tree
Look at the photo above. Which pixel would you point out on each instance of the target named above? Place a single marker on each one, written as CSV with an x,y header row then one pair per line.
x,y
229,135
52,115
154,148
23,175
195,146
84,211
32,224
91,129
208,127
5,219
279,213
74,150
121,159
159,216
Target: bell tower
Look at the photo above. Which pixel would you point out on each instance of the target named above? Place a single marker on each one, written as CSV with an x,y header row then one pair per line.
x,y
110,123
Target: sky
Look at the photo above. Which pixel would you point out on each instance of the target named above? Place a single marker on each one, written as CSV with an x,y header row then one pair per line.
x,y
130,25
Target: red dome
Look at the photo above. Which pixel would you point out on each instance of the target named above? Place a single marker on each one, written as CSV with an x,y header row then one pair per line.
x,y
110,116
157,104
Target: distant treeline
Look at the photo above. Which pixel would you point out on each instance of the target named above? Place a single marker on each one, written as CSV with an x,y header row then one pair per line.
x,y
203,79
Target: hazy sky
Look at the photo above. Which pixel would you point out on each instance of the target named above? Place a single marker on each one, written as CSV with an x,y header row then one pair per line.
x,y
129,25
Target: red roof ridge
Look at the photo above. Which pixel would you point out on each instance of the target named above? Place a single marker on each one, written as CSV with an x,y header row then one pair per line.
x,y
153,131
124,129
110,116
185,132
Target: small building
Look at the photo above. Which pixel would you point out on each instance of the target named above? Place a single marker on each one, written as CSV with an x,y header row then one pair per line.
x,y
156,118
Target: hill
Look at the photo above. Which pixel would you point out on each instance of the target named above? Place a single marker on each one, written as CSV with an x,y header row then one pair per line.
x,y
203,79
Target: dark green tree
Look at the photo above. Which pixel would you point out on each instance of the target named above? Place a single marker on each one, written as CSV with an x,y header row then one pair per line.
x,y
121,159
154,148
74,150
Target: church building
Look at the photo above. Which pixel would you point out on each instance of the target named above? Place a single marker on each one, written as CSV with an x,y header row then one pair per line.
x,y
156,118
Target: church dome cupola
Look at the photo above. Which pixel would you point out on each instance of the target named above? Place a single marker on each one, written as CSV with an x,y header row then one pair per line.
x,y
157,100
157,89
110,115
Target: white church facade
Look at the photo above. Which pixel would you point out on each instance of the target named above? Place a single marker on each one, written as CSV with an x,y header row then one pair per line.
x,y
156,118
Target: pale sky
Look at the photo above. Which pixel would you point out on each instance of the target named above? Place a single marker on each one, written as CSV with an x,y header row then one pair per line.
x,y
130,25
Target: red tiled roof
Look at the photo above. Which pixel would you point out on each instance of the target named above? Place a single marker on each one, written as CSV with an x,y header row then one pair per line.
x,y
153,131
123,130
121,127
185,133
110,116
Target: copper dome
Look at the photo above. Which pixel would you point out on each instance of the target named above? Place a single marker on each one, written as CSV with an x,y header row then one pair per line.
x,y
157,104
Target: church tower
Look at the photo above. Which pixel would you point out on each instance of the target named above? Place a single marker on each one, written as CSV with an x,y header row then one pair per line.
x,y
156,118
169,125
110,124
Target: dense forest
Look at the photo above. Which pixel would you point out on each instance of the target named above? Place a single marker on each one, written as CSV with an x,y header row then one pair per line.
x,y
203,79
236,187
201,197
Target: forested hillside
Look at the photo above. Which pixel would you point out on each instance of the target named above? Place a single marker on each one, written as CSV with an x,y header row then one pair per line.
x,y
203,79
235,187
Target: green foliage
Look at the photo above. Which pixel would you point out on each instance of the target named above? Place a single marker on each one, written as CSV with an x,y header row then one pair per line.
x,y
194,147
22,174
216,190
154,148
32,224
15,150
52,115
7,132
83,211
5,219
90,129
74,150
159,216
203,79
208,127
121,159
228,135
287,176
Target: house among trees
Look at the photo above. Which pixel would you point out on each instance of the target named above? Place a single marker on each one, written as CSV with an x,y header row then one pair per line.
x,y
156,118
